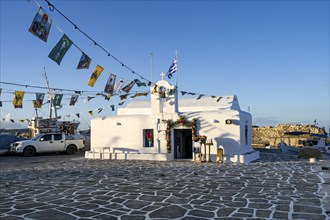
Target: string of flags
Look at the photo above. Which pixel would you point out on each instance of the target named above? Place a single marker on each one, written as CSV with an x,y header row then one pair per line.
x,y
41,26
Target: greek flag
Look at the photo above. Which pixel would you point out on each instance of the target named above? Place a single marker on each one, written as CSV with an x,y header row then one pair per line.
x,y
173,68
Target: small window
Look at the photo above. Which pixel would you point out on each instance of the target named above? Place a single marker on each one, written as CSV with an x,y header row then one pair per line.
x,y
148,137
57,137
47,137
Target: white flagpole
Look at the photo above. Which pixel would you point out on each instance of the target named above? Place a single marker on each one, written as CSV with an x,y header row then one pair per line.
x,y
177,72
176,86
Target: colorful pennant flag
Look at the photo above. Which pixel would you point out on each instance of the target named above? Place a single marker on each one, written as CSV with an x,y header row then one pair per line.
x,y
173,68
122,97
108,97
140,94
60,49
149,83
0,103
78,115
36,104
99,110
73,100
84,62
118,85
90,112
219,99
121,103
154,90
200,96
0,91
40,97
58,99
41,25
90,97
110,84
18,99
183,93
95,75
128,87
171,92
139,83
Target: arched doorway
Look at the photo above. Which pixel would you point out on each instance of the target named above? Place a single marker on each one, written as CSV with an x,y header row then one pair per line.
x,y
182,144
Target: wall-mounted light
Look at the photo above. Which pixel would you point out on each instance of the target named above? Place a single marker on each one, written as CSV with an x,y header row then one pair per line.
x,y
215,121
228,121
118,123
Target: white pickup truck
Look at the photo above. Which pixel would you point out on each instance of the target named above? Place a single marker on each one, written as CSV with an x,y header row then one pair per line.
x,y
50,142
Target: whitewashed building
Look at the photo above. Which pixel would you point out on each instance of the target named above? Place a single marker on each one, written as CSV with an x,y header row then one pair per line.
x,y
164,129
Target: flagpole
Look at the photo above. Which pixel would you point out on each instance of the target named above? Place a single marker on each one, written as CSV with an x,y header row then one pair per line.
x,y
176,86
177,72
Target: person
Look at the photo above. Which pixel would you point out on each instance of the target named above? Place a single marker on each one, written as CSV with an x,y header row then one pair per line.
x,y
39,28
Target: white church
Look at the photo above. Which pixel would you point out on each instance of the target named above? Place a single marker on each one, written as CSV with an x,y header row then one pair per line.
x,y
167,128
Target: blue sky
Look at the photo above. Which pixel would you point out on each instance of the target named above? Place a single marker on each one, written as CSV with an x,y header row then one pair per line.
x,y
274,55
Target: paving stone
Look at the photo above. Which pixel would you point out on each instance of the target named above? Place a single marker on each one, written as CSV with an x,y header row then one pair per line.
x,y
136,204
201,213
50,214
173,211
307,209
225,211
263,213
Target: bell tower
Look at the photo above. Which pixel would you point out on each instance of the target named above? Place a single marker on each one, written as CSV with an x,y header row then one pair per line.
x,y
163,98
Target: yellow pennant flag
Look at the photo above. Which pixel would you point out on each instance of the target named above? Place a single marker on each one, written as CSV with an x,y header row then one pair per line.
x,y
36,103
97,72
18,99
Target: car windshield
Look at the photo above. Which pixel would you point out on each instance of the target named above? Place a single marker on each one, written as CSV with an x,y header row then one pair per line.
x,y
36,137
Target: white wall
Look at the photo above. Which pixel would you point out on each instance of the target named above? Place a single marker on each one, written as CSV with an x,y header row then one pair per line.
x,y
123,132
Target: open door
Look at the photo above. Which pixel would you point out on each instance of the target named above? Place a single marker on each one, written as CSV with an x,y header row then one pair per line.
x,y
183,144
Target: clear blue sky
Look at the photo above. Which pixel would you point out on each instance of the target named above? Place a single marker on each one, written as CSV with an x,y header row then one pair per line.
x,y
274,55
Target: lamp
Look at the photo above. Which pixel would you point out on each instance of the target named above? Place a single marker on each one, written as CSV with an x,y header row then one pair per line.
x,y
118,123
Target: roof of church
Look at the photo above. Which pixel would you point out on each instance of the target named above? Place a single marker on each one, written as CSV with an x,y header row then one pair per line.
x,y
224,102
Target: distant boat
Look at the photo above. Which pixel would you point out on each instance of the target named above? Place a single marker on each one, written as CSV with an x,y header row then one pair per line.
x,y
316,141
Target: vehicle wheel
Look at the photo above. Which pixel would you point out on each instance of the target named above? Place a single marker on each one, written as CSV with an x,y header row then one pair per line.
x,y
29,152
71,149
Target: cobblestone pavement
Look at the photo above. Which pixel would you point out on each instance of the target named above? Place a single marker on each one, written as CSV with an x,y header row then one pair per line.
x,y
71,187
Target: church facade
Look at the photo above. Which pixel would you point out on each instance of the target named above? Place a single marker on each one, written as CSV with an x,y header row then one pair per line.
x,y
168,128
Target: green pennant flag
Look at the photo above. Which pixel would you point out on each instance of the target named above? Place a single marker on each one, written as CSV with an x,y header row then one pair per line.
x,y
140,94
139,83
60,49
58,99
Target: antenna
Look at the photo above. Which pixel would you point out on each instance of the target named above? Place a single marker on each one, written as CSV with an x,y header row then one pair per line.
x,y
50,97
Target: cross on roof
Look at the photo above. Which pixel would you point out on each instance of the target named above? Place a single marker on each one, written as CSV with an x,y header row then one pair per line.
x,y
162,75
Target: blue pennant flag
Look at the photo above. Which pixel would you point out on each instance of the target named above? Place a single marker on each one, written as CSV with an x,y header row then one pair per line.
x,y
173,68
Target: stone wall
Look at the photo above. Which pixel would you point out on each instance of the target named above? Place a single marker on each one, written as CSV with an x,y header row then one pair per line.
x,y
271,136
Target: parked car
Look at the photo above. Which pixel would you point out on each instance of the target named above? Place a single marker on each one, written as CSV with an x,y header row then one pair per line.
x,y
6,140
50,142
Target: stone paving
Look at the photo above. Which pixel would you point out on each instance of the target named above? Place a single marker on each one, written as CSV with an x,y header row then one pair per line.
x,y
71,187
